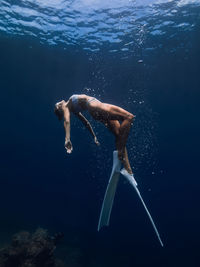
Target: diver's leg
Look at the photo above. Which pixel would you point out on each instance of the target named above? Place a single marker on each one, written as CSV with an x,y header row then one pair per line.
x,y
126,162
124,130
112,112
114,127
124,156
127,120
106,112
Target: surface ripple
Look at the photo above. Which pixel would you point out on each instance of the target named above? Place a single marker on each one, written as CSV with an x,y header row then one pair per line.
x,y
124,25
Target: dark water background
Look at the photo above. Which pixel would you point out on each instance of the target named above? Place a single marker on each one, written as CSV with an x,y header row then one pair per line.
x,y
142,56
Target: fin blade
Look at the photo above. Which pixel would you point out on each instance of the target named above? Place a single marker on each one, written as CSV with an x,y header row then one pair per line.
x,y
110,193
133,182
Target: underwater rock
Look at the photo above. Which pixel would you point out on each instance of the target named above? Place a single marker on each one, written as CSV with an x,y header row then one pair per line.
x,y
31,250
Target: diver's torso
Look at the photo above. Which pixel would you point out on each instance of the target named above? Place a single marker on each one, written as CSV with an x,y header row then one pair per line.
x,y
82,102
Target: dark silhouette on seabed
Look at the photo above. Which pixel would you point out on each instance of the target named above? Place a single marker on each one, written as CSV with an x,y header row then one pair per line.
x,y
31,250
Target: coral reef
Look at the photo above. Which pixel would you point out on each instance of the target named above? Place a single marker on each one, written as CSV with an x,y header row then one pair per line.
x,y
31,250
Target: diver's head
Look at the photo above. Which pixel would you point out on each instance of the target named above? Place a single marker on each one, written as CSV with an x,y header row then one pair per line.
x,y
58,110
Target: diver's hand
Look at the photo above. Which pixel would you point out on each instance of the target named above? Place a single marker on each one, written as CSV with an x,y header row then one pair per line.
x,y
96,141
68,146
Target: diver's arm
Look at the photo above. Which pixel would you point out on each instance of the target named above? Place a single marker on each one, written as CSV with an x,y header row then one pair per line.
x,y
68,144
88,126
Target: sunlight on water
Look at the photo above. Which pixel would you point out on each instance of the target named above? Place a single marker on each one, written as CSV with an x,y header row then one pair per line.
x,y
125,24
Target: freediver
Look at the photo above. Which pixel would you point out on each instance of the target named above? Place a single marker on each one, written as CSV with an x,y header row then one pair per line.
x,y
116,119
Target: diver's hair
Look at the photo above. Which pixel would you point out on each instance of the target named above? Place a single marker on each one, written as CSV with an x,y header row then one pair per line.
x,y
58,112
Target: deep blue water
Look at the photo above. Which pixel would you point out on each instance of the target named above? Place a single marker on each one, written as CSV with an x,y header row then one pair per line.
x,y
141,55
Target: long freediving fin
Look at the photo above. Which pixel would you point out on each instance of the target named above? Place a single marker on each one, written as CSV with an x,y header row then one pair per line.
x,y
133,182
110,192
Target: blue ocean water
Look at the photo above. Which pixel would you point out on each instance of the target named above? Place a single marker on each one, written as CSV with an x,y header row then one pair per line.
x,y
141,55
